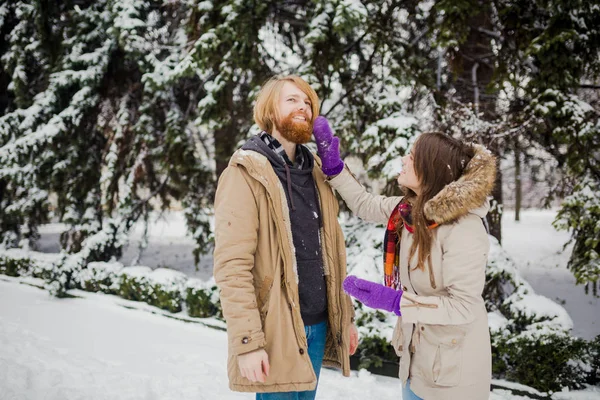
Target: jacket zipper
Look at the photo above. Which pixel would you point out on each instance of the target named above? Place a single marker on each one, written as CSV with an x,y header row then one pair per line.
x,y
417,304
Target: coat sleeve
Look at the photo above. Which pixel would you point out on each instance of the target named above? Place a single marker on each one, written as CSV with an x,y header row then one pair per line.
x,y
465,251
236,236
363,204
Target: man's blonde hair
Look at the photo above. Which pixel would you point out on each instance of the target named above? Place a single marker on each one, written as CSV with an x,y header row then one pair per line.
x,y
266,110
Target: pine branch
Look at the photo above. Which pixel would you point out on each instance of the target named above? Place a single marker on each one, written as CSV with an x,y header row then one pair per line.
x,y
353,86
494,34
134,215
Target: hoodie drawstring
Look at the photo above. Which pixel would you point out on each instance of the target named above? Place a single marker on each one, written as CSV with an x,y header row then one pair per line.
x,y
289,185
318,206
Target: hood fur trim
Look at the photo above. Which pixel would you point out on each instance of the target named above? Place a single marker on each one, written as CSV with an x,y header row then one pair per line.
x,y
469,192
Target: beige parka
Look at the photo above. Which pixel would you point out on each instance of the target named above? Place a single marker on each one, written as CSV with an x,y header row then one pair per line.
x,y
442,336
255,270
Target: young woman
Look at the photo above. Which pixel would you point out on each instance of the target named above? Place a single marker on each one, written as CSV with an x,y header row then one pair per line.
x,y
436,249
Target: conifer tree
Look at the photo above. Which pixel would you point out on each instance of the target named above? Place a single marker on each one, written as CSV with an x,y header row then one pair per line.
x,y
525,67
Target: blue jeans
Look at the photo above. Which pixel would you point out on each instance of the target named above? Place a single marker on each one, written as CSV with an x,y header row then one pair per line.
x,y
408,394
315,336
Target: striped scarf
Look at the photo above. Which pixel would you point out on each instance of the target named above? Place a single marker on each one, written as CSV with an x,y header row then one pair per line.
x,y
401,217
280,151
391,250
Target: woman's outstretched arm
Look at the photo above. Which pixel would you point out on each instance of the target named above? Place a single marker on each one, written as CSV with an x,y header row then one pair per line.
x,y
366,206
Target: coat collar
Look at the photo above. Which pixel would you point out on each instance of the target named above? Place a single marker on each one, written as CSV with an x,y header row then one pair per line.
x,y
260,168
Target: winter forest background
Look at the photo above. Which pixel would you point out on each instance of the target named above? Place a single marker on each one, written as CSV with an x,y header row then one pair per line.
x,y
113,111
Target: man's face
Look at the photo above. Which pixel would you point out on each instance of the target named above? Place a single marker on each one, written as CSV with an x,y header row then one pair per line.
x,y
295,111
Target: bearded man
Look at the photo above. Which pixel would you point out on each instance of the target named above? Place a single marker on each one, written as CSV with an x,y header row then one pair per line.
x,y
280,257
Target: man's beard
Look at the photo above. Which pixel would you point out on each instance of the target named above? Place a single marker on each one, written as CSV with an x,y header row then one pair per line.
x,y
298,132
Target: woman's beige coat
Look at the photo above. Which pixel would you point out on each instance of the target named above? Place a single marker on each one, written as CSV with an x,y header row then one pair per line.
x,y
255,269
442,336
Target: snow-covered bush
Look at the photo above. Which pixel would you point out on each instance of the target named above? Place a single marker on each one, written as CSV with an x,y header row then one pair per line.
x,y
100,277
594,352
581,213
133,283
14,266
17,262
531,334
549,362
163,288
383,144
364,243
375,346
167,289
202,298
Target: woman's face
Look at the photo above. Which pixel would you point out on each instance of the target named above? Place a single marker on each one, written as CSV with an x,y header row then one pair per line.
x,y
408,177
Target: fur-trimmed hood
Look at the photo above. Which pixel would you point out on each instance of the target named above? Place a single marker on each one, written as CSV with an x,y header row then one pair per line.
x,y
469,193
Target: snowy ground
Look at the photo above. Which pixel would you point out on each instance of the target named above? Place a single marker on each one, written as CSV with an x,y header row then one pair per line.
x,y
94,348
533,243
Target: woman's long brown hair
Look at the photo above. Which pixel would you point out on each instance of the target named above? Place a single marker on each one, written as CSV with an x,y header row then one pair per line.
x,y
438,159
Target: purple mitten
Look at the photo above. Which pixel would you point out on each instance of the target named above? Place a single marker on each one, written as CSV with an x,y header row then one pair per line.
x,y
328,147
373,294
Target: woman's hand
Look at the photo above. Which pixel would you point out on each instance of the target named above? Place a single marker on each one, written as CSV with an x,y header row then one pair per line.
x,y
353,339
328,147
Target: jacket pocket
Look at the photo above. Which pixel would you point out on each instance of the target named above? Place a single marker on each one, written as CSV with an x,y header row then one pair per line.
x,y
447,365
442,347
264,295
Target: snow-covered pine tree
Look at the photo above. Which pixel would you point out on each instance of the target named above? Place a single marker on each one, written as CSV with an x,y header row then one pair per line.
x,y
47,144
343,48
550,56
107,131
528,68
228,50
350,55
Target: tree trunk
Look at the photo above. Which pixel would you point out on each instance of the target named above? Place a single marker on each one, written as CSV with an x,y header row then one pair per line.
x,y
226,138
494,217
225,141
518,194
473,67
